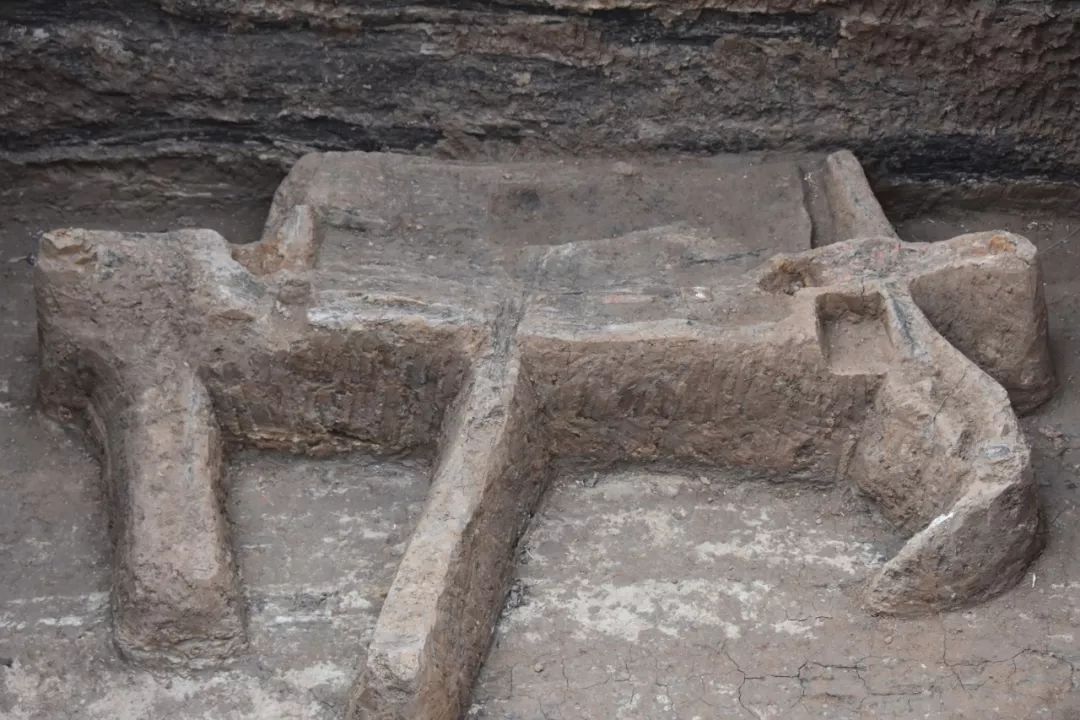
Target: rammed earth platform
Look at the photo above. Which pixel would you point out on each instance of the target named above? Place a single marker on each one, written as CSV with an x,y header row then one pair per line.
x,y
752,312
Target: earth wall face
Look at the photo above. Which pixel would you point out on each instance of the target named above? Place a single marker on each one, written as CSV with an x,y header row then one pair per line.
x,y
917,89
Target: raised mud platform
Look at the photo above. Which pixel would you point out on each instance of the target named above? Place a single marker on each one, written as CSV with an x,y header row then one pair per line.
x,y
748,313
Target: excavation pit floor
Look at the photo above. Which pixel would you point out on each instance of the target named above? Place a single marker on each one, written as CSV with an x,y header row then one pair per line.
x,y
317,543
645,594
669,595
1013,656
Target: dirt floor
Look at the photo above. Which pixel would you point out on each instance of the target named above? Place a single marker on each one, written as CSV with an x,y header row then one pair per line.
x,y
318,542
640,594
630,603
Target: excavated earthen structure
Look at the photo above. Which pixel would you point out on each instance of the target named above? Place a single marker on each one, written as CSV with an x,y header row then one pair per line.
x,y
408,305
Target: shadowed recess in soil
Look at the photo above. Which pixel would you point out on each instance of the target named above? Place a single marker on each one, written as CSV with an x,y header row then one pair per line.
x,y
318,542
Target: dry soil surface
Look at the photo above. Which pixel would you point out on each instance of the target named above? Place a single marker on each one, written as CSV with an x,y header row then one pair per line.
x,y
640,593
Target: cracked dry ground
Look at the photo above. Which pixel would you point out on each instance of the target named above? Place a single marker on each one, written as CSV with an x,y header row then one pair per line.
x,y
655,595
640,593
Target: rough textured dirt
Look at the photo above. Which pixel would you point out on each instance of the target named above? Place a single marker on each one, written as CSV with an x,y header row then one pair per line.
x,y
313,340
1013,657
915,88
652,595
701,628
317,543
646,595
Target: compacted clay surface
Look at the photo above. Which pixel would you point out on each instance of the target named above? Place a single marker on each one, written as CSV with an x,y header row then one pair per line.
x,y
511,320
643,594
